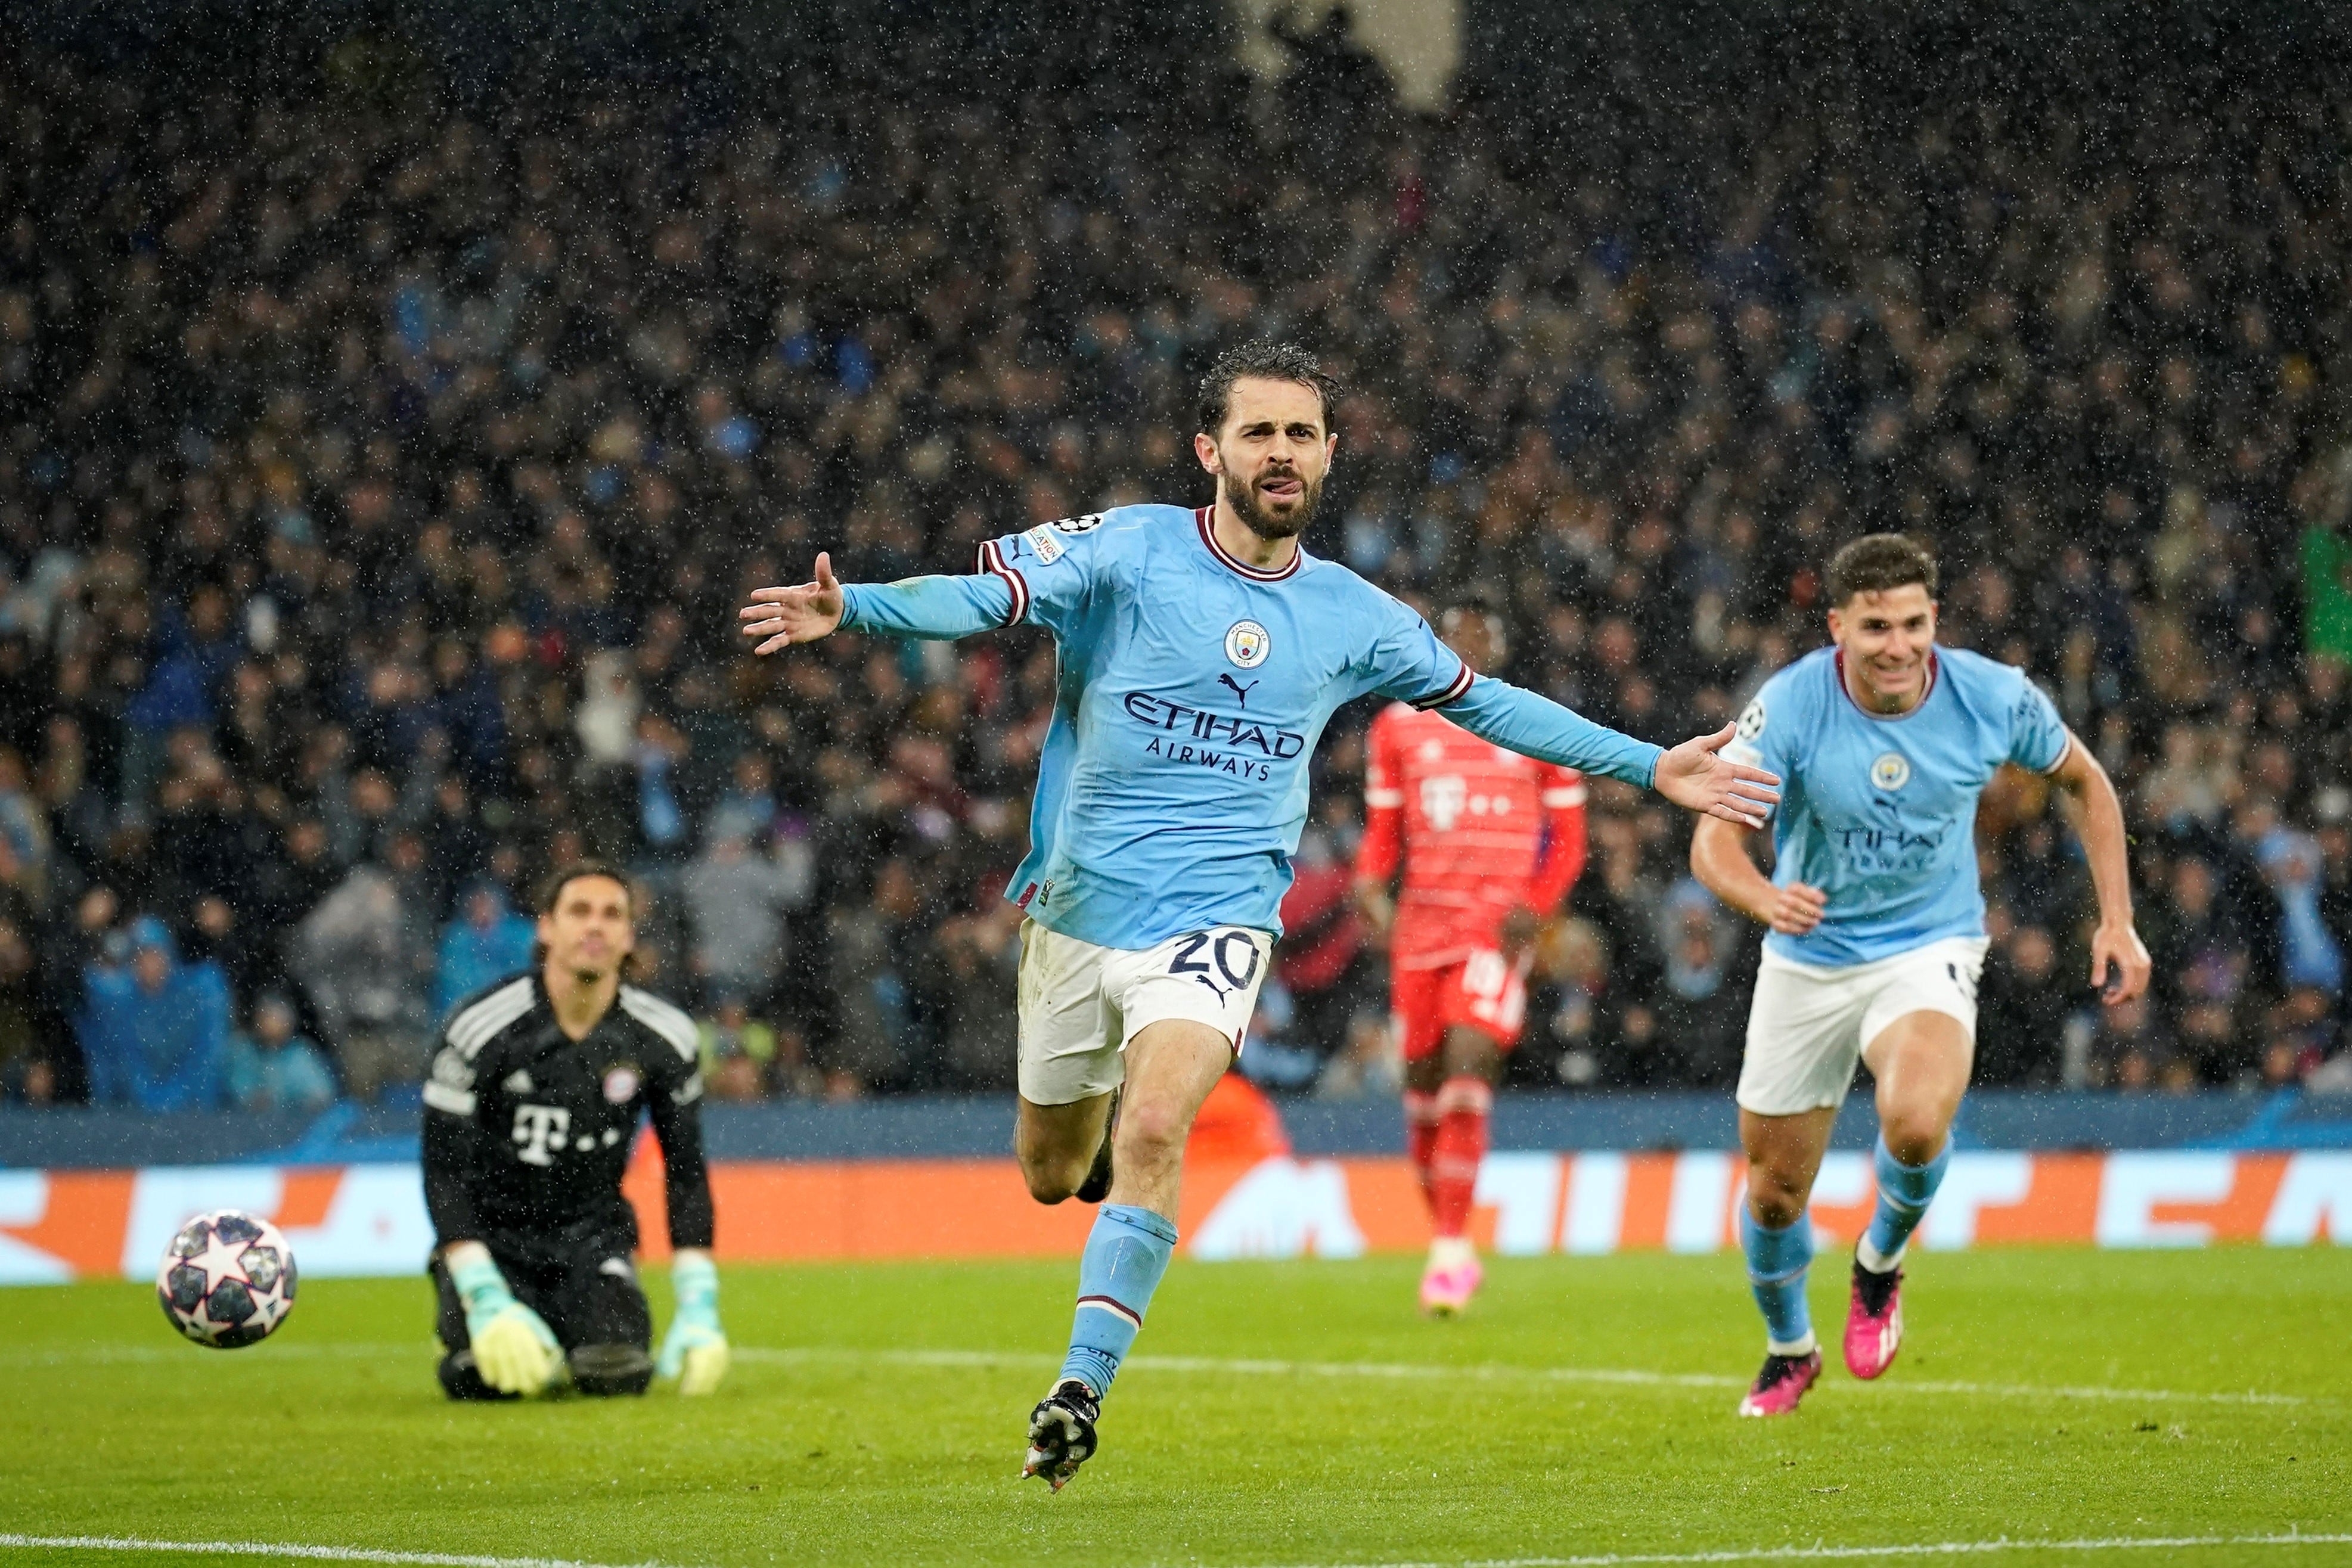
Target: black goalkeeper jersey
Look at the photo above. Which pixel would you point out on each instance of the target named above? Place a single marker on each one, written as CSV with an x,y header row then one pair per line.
x,y
527,1131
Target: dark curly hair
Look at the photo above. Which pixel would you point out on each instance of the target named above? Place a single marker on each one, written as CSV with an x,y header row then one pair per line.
x,y
1261,360
1876,562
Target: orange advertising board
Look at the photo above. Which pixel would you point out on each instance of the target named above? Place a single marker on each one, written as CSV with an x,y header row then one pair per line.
x,y
57,1226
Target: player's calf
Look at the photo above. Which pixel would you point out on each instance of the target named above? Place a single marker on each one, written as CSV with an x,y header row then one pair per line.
x,y
1097,1186
1452,1275
1058,1146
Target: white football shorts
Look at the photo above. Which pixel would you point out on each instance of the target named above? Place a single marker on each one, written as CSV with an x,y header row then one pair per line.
x,y
1080,1004
1808,1025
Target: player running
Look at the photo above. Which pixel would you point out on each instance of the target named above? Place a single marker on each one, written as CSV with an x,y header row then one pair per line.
x,y
1877,926
1491,840
1201,651
533,1100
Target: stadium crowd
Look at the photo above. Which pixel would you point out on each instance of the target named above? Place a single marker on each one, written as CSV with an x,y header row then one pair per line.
x,y
378,474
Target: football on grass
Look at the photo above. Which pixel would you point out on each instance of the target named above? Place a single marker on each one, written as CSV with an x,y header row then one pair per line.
x,y
228,1280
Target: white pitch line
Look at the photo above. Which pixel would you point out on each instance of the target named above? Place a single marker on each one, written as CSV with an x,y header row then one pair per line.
x,y
1847,1554
299,1552
1493,1372
344,1351
1478,1372
291,1550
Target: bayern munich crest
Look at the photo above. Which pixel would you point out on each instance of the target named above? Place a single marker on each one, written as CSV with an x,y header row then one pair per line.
x,y
1247,645
1891,771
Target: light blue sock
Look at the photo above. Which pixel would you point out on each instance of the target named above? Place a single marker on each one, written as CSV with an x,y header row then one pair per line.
x,y
1125,1254
1777,1261
1904,1194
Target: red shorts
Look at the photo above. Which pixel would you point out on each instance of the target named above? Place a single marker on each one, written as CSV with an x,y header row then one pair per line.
x,y
1484,992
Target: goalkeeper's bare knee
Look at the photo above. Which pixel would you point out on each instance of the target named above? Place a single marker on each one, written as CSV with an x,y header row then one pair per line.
x,y
610,1369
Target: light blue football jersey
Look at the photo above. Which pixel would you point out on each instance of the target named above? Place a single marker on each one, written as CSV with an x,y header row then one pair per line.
x,y
1880,812
1191,689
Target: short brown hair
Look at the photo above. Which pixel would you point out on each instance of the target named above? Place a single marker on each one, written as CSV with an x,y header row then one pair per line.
x,y
1876,562
1265,361
550,892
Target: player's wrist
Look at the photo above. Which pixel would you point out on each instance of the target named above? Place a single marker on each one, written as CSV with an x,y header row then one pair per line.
x,y
456,1254
694,1281
478,1283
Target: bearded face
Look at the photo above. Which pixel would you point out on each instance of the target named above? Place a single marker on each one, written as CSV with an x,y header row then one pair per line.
x,y
1271,456
1275,503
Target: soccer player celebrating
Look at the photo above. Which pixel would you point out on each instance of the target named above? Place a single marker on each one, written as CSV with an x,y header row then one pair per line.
x,y
533,1099
1877,931
1201,651
1491,840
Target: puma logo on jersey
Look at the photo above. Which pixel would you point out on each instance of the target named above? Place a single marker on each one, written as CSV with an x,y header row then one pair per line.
x,y
1241,692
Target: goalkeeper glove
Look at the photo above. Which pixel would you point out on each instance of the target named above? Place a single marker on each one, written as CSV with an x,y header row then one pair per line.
x,y
695,1350
514,1350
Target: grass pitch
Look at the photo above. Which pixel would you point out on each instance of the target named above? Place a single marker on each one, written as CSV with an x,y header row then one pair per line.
x,y
1277,1414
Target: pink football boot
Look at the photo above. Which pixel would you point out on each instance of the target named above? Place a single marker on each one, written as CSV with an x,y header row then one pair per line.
x,y
1445,1290
1781,1383
1873,1321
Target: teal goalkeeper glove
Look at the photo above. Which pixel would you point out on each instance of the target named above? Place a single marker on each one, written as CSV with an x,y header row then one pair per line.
x,y
514,1350
695,1350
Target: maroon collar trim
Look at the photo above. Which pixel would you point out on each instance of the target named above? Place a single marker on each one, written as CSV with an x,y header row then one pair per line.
x,y
1934,668
1209,538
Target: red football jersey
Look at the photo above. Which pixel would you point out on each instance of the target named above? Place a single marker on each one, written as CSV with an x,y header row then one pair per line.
x,y
1481,830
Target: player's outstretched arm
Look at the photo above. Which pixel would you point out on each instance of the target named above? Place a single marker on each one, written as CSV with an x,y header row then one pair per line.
x,y
780,617
1696,775
2119,961
940,608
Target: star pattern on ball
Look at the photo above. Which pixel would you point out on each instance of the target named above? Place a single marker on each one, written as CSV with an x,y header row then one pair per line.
x,y
220,1259
226,1280
201,1324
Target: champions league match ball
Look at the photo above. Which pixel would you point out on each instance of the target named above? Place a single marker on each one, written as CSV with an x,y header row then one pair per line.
x,y
228,1280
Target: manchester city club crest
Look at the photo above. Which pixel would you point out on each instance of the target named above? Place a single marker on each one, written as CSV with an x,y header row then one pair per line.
x,y
1247,645
1891,771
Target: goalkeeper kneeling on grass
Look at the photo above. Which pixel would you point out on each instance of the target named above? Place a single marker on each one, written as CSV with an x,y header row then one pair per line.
x,y
534,1101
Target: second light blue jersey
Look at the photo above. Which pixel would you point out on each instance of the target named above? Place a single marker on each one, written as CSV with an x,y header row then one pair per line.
x,y
1191,688
1880,812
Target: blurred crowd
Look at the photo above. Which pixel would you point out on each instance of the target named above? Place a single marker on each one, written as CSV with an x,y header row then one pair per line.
x,y
378,474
